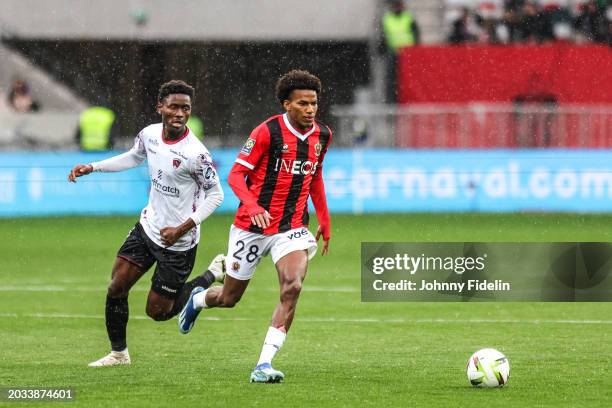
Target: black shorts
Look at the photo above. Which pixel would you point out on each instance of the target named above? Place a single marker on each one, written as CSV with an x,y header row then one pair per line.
x,y
173,267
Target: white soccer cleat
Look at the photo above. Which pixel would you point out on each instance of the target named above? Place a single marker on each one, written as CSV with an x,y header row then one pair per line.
x,y
112,359
217,267
264,373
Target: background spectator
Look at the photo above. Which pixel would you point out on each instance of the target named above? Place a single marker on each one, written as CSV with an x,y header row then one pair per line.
x,y
530,21
97,129
20,98
399,29
462,31
512,18
609,26
531,25
490,27
591,23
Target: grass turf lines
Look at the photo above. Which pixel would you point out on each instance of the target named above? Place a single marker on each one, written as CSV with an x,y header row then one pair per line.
x,y
339,352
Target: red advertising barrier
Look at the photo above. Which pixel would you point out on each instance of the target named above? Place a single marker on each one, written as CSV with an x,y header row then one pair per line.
x,y
450,74
515,79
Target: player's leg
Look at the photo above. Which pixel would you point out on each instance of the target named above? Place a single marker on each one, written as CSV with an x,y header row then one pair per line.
x,y
133,260
158,307
290,253
173,269
125,274
223,296
291,273
214,273
245,250
216,296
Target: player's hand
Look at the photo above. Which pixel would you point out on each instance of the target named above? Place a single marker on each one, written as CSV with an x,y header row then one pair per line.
x,y
78,171
325,248
259,216
169,235
262,220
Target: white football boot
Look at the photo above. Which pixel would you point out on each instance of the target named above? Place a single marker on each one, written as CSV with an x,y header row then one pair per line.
x,y
264,373
112,359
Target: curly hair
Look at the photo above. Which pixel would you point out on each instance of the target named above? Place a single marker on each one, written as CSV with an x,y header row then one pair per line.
x,y
296,79
175,87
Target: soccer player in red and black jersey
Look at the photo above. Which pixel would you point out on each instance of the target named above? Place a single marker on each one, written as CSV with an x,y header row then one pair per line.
x,y
278,168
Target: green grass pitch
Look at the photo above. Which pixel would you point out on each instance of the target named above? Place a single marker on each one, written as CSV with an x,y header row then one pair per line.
x,y
339,352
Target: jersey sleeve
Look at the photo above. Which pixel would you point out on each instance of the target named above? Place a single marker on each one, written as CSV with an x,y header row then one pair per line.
x,y
324,152
132,158
204,171
318,196
205,176
256,146
207,204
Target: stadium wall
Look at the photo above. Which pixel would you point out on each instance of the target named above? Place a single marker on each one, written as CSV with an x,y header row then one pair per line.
x,y
234,81
210,20
357,181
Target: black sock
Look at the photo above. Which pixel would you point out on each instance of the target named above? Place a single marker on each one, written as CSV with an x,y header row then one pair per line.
x,y
117,314
204,280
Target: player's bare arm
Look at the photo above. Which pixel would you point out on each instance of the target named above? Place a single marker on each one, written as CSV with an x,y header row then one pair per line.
x,y
78,171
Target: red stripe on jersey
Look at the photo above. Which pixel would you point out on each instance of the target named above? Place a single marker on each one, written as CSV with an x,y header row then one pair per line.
x,y
282,173
318,151
298,187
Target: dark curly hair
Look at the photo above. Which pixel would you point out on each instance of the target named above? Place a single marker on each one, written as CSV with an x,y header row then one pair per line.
x,y
175,87
296,79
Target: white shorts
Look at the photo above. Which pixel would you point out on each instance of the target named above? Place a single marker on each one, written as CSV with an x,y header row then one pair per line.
x,y
245,249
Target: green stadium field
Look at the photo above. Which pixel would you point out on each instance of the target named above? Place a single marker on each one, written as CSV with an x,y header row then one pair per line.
x,y
340,352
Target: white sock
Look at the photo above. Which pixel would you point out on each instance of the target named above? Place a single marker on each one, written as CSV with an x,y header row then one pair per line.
x,y
273,342
199,300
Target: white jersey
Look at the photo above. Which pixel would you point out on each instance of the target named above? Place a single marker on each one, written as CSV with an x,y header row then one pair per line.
x,y
183,180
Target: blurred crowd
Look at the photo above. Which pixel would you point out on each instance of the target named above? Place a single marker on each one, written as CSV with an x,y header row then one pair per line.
x,y
529,21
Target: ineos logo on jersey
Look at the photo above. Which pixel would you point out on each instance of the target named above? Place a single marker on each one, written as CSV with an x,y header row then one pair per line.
x,y
296,166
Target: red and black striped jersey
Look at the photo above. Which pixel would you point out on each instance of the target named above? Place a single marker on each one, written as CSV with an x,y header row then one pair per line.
x,y
283,162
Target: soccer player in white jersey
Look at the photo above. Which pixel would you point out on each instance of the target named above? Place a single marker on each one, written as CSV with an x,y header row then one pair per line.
x,y
185,190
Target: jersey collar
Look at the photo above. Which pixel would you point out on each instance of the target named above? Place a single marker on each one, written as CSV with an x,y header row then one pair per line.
x,y
170,142
293,130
